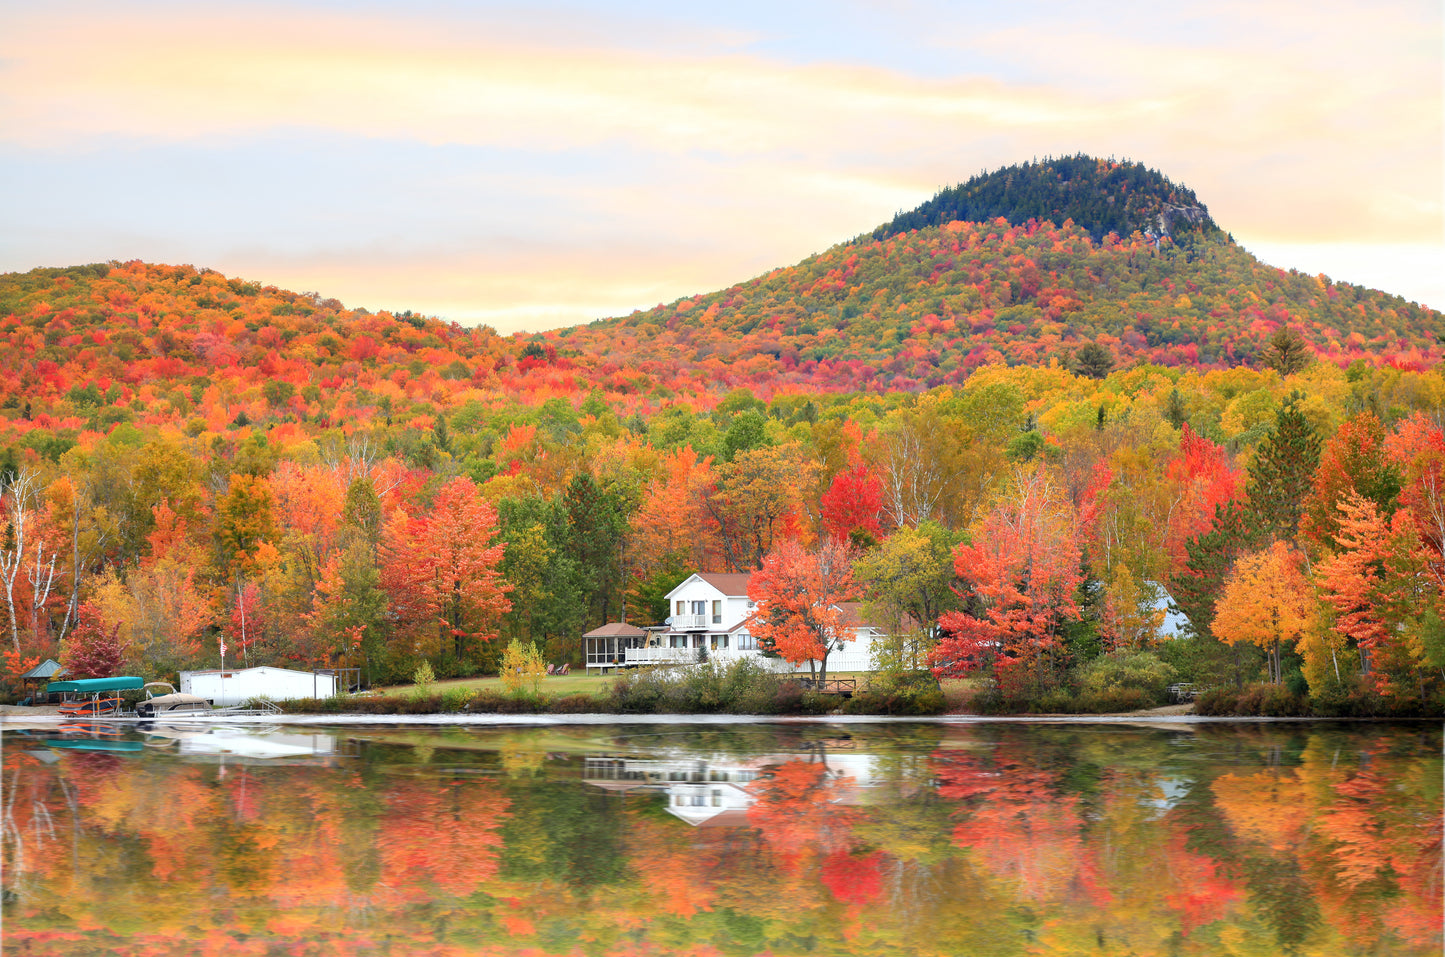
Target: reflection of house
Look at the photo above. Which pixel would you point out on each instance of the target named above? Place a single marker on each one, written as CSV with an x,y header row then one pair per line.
x,y
709,619
716,793
209,740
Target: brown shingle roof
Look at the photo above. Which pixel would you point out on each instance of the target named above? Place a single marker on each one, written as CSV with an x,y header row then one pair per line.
x,y
616,629
728,583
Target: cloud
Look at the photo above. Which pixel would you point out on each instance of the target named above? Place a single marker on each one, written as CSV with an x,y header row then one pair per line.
x,y
453,160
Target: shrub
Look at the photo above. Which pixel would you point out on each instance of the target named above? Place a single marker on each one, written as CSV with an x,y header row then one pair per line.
x,y
423,677
576,704
898,692
457,699
1256,700
739,687
1127,669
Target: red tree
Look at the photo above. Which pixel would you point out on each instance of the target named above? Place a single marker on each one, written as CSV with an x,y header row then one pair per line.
x,y
1206,477
1374,583
248,618
853,502
93,650
1020,579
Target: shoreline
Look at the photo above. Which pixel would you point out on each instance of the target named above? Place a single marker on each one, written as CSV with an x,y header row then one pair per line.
x,y
9,720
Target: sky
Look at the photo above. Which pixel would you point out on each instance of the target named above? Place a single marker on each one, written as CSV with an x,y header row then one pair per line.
x,y
536,165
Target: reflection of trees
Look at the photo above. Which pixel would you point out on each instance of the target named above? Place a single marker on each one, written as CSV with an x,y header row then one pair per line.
x,y
1005,840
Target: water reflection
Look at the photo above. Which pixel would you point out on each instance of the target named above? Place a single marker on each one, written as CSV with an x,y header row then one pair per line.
x,y
928,839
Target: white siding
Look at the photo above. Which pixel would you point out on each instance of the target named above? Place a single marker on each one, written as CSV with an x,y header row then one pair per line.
x,y
227,688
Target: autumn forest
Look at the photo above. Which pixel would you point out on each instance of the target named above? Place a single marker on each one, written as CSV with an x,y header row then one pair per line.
x,y
1026,427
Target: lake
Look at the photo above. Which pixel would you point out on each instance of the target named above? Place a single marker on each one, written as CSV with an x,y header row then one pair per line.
x,y
722,838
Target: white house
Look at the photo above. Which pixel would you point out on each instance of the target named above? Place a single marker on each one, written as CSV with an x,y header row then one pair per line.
x,y
1175,623
710,613
238,685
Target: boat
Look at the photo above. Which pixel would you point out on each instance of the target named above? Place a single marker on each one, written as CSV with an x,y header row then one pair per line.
x,y
174,705
92,708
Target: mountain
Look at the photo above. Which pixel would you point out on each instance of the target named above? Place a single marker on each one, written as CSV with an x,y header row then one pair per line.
x,y
1099,196
93,348
1037,269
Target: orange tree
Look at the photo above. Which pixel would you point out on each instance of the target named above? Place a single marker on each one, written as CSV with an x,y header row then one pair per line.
x,y
798,593
1266,601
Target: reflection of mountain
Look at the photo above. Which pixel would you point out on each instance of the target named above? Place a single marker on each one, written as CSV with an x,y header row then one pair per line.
x,y
717,793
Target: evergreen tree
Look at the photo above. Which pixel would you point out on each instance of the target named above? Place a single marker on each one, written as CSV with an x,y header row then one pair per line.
x,y
597,520
1282,473
1174,409
1287,352
1094,361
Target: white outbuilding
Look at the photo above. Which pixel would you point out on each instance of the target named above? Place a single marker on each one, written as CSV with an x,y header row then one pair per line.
x,y
238,685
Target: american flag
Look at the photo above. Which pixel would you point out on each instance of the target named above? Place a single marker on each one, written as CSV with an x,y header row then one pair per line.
x,y
223,647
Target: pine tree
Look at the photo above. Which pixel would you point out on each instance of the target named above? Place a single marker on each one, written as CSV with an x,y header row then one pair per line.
x,y
1282,474
1287,352
1094,361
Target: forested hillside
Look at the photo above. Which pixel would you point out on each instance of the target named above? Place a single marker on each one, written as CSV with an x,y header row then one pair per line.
x,y
191,458
1099,196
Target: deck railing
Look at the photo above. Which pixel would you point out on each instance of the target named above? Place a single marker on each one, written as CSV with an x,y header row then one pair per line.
x,y
661,656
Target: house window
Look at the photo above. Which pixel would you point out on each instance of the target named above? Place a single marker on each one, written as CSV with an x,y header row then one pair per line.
x,y
699,608
681,607
717,611
717,799
746,642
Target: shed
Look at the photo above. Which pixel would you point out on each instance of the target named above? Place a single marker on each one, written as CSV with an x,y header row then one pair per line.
x,y
47,670
239,685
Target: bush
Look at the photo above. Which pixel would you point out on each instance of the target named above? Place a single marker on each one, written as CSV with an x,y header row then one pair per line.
x,y
423,677
1256,700
898,692
1126,670
739,687
576,704
455,700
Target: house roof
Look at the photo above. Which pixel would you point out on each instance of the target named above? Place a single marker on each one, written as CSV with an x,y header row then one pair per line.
x,y
729,583
616,629
854,617
49,668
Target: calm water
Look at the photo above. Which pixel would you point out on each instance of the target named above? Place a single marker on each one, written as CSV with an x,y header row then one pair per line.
x,y
994,839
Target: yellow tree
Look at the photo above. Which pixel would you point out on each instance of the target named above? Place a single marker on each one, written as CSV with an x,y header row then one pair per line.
x,y
1266,601
757,501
